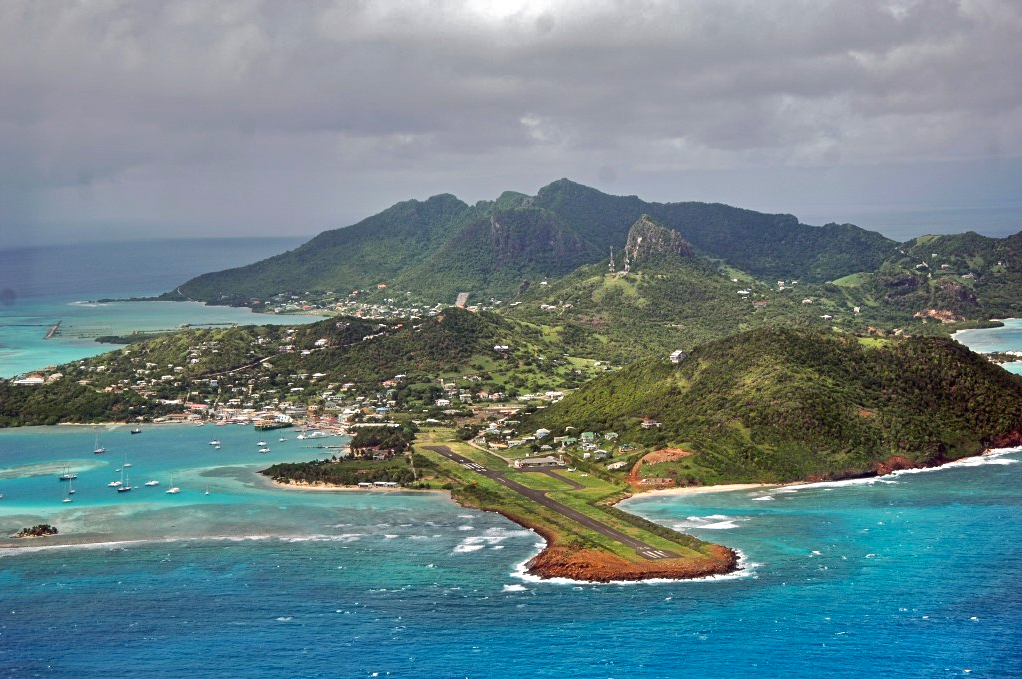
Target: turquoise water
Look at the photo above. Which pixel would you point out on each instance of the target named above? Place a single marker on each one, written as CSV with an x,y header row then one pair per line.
x,y
41,286
910,576
1006,338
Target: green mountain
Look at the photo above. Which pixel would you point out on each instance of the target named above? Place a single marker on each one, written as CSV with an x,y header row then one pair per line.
x,y
764,245
495,253
780,404
375,250
442,246
659,297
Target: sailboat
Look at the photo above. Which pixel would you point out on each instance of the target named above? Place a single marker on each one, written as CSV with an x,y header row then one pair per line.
x,y
67,475
173,490
70,492
98,450
124,487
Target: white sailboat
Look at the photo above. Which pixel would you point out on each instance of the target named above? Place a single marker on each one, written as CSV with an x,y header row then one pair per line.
x,y
70,492
124,487
173,490
98,449
68,475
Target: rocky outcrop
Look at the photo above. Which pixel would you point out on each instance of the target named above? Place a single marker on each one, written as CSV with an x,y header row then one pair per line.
x,y
893,464
942,315
648,238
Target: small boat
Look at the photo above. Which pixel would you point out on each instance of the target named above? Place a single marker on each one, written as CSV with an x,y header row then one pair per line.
x,y
214,442
154,482
98,450
264,450
216,447
173,490
70,492
207,490
115,484
68,475
136,430
261,443
282,439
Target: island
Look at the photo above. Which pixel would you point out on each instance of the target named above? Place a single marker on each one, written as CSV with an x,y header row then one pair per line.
x,y
39,531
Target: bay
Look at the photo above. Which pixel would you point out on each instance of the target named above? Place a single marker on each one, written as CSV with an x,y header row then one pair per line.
x,y
43,285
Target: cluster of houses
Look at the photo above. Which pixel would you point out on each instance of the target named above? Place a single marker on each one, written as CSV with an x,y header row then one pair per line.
x,y
355,303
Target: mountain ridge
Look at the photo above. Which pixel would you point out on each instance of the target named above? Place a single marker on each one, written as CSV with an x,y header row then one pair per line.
x,y
433,236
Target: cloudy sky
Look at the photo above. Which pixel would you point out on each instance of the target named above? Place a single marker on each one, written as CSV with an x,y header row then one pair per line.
x,y
128,118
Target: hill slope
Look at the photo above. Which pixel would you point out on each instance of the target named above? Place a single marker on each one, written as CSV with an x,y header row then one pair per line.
x,y
372,251
779,404
275,366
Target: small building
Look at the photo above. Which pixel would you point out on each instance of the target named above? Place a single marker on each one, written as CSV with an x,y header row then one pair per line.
x,y
537,462
678,356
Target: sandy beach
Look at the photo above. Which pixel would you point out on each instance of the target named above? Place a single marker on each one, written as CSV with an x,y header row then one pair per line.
x,y
328,488
699,490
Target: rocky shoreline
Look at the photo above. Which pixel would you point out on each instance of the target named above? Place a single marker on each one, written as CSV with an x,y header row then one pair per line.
x,y
591,565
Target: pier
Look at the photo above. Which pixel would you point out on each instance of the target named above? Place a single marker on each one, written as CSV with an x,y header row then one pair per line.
x,y
52,331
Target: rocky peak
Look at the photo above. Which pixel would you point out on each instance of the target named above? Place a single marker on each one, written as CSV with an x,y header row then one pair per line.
x,y
647,238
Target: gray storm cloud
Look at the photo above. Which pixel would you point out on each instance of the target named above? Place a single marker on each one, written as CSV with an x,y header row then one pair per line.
x,y
249,116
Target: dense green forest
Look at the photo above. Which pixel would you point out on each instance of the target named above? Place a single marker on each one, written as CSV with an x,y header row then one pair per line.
x,y
778,404
67,401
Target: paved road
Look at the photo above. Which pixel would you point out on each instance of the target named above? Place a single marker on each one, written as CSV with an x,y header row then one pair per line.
x,y
539,496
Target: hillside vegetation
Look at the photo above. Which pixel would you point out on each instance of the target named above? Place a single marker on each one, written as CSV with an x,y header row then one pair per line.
x,y
780,404
442,246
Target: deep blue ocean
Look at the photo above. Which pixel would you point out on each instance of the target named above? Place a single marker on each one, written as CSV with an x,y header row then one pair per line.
x,y
913,575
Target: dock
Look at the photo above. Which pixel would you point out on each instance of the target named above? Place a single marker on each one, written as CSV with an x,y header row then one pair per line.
x,y
53,330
